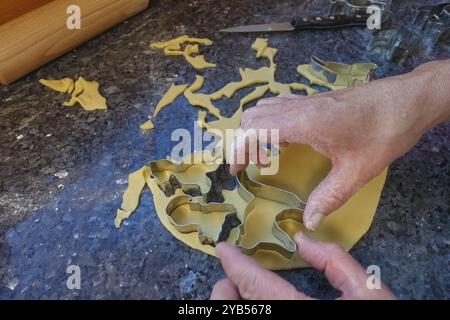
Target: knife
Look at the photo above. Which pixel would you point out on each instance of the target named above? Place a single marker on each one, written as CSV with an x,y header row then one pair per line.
x,y
306,23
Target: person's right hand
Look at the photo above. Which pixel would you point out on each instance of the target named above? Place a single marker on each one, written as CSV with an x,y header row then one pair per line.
x,y
361,130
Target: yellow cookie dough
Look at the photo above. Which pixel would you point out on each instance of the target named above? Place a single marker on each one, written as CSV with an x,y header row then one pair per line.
x,y
200,99
265,76
87,95
136,183
345,226
301,170
256,94
159,177
170,96
65,85
199,62
179,41
84,92
173,48
147,126
201,120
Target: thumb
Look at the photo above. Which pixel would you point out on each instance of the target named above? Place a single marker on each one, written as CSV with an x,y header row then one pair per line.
x,y
225,290
251,280
340,184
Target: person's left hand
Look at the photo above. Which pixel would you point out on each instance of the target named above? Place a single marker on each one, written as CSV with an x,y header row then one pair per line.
x,y
249,281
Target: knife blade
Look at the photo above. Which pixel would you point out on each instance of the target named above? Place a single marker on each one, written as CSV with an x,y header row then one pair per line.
x,y
306,23
282,26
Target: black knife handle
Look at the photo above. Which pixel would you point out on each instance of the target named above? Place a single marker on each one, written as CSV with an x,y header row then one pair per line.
x,y
329,22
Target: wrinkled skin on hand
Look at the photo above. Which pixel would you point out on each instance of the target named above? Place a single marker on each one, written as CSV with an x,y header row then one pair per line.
x,y
362,130
249,281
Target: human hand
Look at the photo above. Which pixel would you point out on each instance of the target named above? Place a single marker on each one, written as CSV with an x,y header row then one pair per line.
x,y
248,281
361,130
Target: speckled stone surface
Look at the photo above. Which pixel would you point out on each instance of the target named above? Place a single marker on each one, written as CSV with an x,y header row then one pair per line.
x,y
63,170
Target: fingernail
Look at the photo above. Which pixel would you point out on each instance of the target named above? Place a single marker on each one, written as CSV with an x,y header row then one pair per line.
x,y
314,221
219,249
298,237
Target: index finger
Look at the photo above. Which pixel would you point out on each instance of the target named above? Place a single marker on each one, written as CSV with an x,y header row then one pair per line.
x,y
340,268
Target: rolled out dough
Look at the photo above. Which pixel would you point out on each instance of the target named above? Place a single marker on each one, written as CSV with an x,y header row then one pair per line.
x,y
301,170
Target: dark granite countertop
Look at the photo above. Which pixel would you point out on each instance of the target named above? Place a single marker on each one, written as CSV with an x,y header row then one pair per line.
x,y
63,170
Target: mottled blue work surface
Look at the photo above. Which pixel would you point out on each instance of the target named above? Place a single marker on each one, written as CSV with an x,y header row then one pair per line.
x,y
63,170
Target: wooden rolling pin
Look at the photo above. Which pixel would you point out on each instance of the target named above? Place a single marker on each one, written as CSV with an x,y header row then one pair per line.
x,y
41,35
11,9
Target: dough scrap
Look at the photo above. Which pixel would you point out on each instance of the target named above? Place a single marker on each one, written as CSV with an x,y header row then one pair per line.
x,y
169,97
264,76
199,62
86,93
65,85
201,120
147,126
256,94
191,49
173,51
197,84
173,48
174,42
179,41
200,99
260,45
130,202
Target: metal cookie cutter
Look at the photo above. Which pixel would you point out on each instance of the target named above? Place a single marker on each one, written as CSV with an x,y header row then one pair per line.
x,y
214,221
250,190
350,7
396,44
183,208
430,28
168,173
433,22
165,174
337,75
